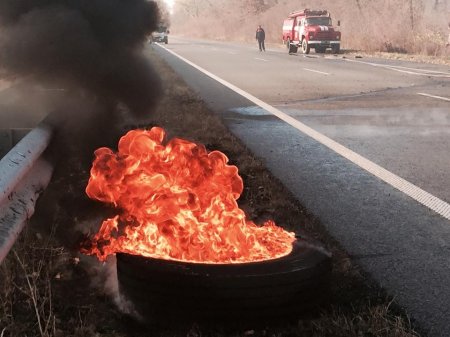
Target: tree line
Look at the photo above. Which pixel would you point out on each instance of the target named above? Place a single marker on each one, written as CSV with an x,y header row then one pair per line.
x,y
385,25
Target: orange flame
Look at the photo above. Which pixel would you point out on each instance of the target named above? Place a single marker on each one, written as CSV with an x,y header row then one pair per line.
x,y
178,202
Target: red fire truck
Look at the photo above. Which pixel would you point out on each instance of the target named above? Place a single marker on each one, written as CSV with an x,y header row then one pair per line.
x,y
308,29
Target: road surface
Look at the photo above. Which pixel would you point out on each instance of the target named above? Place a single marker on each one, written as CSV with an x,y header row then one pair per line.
x,y
364,144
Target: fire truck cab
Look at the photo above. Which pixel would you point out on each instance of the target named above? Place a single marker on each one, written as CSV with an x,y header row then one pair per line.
x,y
308,29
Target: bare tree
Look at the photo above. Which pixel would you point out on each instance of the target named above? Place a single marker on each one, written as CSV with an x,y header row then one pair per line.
x,y
408,24
253,6
193,8
441,5
411,13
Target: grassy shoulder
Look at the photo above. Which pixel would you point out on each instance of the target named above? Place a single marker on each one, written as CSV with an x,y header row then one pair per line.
x,y
49,289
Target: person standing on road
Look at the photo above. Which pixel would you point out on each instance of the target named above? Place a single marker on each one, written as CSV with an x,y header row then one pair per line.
x,y
261,36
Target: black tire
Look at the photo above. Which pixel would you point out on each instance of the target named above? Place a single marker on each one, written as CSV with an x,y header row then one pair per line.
x,y
166,40
305,47
164,290
292,48
288,43
336,49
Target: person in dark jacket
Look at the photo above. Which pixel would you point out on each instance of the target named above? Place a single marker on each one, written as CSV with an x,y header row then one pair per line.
x,y
260,36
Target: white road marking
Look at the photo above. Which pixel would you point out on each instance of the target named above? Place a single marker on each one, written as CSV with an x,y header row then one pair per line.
x,y
257,58
316,71
433,96
406,70
423,197
421,70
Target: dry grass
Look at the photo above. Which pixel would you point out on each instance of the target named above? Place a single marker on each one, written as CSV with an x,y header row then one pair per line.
x,y
26,296
48,289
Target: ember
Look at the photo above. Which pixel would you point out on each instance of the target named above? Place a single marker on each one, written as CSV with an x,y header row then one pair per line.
x,y
177,201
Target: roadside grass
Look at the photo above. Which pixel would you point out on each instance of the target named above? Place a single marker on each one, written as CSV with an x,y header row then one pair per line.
x,y
26,295
49,289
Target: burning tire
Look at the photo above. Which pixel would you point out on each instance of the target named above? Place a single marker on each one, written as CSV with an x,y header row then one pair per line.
x,y
165,289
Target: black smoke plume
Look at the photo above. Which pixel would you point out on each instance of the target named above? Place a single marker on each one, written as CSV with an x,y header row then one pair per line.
x,y
93,44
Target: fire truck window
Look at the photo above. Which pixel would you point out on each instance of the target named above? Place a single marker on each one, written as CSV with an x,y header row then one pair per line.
x,y
322,21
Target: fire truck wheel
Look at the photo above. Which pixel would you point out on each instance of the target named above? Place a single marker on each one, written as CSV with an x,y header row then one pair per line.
x,y
288,44
305,47
162,290
336,49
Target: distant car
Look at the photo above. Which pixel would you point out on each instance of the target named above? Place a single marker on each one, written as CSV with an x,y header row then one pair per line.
x,y
161,35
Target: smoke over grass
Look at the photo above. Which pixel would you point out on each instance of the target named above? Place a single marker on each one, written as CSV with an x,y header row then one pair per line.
x,y
93,44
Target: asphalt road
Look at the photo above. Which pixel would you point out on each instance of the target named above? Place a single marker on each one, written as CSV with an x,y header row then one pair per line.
x,y
374,107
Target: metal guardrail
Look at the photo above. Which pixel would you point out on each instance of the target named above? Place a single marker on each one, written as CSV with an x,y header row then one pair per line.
x,y
24,174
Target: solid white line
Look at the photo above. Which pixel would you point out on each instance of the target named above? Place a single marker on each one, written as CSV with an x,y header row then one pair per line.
x,y
411,71
419,70
256,58
434,203
433,96
316,71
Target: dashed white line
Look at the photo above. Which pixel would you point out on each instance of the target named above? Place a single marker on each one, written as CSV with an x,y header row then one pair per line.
x,y
259,59
434,96
423,197
316,71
